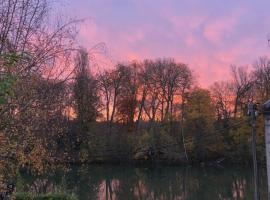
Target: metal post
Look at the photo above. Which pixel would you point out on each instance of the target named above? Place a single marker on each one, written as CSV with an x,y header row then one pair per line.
x,y
256,181
252,111
266,112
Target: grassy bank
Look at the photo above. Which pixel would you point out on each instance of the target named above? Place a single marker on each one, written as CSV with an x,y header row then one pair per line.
x,y
28,196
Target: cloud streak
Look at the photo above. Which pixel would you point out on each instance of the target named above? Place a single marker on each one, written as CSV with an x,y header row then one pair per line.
x,y
208,36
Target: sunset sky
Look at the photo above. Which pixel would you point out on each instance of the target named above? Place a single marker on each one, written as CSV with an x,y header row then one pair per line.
x,y
208,35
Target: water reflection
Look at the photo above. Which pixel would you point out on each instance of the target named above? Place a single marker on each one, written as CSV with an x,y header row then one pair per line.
x,y
106,182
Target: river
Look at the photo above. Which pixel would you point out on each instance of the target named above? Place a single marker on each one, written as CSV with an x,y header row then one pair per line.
x,y
158,182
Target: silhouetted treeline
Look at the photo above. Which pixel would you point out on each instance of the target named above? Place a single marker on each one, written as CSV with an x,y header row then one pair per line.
x,y
154,110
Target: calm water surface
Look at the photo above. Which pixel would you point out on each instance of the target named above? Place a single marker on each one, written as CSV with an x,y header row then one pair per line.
x,y
122,182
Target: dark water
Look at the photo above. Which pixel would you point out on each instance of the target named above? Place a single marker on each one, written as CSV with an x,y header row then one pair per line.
x,y
160,182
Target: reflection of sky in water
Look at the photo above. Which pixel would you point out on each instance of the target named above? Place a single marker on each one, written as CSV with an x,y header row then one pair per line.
x,y
125,182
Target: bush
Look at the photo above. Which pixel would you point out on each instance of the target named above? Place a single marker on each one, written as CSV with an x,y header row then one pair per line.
x,y
158,145
27,196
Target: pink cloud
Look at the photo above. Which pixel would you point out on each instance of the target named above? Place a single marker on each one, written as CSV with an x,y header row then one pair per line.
x,y
192,39
215,30
133,37
186,22
132,56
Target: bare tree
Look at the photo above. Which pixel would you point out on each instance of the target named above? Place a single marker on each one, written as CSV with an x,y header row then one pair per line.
x,y
28,45
241,86
116,78
105,88
129,91
152,102
261,76
223,98
143,78
20,21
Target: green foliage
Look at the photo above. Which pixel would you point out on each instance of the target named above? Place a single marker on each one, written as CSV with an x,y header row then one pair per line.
x,y
7,77
199,106
28,196
199,122
145,142
6,84
157,146
11,59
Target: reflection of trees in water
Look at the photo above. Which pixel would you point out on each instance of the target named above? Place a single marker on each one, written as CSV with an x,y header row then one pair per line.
x,y
125,182
220,184
51,183
42,186
108,189
238,188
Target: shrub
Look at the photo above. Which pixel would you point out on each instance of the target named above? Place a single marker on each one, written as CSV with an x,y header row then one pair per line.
x,y
27,196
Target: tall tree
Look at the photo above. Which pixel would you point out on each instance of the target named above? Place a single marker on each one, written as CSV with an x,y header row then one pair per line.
x,y
223,99
105,89
241,86
129,91
85,92
33,58
199,121
261,76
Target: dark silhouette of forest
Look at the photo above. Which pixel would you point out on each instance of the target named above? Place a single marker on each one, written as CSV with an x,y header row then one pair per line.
x,y
55,109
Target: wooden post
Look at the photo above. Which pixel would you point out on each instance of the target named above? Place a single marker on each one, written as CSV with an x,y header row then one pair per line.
x,y
266,112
